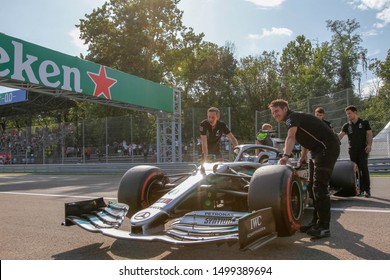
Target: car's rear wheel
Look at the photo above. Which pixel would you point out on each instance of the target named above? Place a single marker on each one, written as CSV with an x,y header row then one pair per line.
x,y
345,180
279,187
140,187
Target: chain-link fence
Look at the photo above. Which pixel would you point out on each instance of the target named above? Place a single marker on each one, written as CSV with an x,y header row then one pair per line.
x,y
110,139
334,106
102,140
129,139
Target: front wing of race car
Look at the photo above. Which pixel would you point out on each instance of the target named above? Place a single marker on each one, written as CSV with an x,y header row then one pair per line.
x,y
251,230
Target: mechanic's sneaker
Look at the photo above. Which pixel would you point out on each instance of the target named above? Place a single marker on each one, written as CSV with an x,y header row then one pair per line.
x,y
361,194
318,231
305,228
368,194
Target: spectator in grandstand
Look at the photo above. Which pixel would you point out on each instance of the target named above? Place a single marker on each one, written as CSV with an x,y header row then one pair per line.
x,y
99,154
211,131
145,153
315,136
360,142
88,153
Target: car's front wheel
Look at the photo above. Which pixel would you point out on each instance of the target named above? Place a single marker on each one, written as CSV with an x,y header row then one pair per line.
x,y
279,187
140,187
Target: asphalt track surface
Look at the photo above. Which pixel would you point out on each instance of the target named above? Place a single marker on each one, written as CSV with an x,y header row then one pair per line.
x,y
32,209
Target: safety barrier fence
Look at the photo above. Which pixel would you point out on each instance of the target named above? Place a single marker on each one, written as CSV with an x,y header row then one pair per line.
x,y
376,166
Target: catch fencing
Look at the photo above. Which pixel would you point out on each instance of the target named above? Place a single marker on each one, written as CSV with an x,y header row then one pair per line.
x,y
334,105
131,139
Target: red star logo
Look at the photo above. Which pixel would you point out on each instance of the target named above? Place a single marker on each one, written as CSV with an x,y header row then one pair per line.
x,y
102,83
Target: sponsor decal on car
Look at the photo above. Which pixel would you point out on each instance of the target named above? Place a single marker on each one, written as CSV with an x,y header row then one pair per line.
x,y
217,221
142,216
256,226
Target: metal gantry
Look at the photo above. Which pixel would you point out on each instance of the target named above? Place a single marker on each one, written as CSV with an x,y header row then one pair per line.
x,y
169,144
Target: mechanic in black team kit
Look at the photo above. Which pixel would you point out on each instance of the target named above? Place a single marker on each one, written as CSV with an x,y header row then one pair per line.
x,y
315,136
319,113
360,141
211,131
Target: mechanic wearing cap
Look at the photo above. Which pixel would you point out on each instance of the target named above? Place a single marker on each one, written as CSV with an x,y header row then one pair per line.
x,y
211,130
315,136
264,135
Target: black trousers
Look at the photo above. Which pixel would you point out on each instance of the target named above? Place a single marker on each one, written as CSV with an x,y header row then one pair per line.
x,y
324,162
360,157
310,189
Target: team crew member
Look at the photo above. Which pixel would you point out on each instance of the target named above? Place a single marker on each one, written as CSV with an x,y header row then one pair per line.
x,y
211,131
360,141
319,112
315,136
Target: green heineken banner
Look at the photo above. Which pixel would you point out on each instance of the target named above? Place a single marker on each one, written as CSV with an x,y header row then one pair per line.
x,y
32,64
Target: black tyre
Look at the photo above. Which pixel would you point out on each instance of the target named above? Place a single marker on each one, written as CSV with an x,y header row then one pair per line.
x,y
279,187
345,180
140,187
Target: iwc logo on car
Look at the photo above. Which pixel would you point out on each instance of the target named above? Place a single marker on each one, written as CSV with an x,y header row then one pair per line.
x,y
256,222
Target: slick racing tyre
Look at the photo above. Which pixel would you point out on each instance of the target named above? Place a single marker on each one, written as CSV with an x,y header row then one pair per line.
x,y
345,179
279,187
140,187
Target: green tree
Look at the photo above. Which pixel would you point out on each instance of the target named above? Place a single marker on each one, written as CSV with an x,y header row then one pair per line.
x,y
347,53
208,80
256,83
140,37
134,36
378,106
296,59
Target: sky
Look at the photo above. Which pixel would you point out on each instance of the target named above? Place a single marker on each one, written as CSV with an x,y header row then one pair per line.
x,y
253,26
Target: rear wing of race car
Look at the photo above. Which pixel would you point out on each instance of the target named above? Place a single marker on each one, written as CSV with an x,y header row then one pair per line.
x,y
251,230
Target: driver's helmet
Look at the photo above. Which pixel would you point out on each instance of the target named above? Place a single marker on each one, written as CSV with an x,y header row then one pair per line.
x,y
261,135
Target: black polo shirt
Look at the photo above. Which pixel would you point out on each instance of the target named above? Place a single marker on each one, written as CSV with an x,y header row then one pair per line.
x,y
214,135
328,124
357,133
312,133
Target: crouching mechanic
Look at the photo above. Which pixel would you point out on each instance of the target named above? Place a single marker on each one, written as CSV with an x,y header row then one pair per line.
x,y
315,136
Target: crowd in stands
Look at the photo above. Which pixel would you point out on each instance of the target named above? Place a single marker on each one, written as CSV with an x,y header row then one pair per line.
x,y
21,146
50,145
14,142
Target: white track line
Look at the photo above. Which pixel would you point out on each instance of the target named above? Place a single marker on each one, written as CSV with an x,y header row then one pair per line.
x,y
360,210
56,195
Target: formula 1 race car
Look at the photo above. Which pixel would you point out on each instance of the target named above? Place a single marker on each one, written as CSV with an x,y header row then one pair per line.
x,y
251,200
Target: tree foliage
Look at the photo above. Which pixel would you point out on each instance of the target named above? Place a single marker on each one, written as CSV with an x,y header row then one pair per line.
x,y
147,38
347,52
378,106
